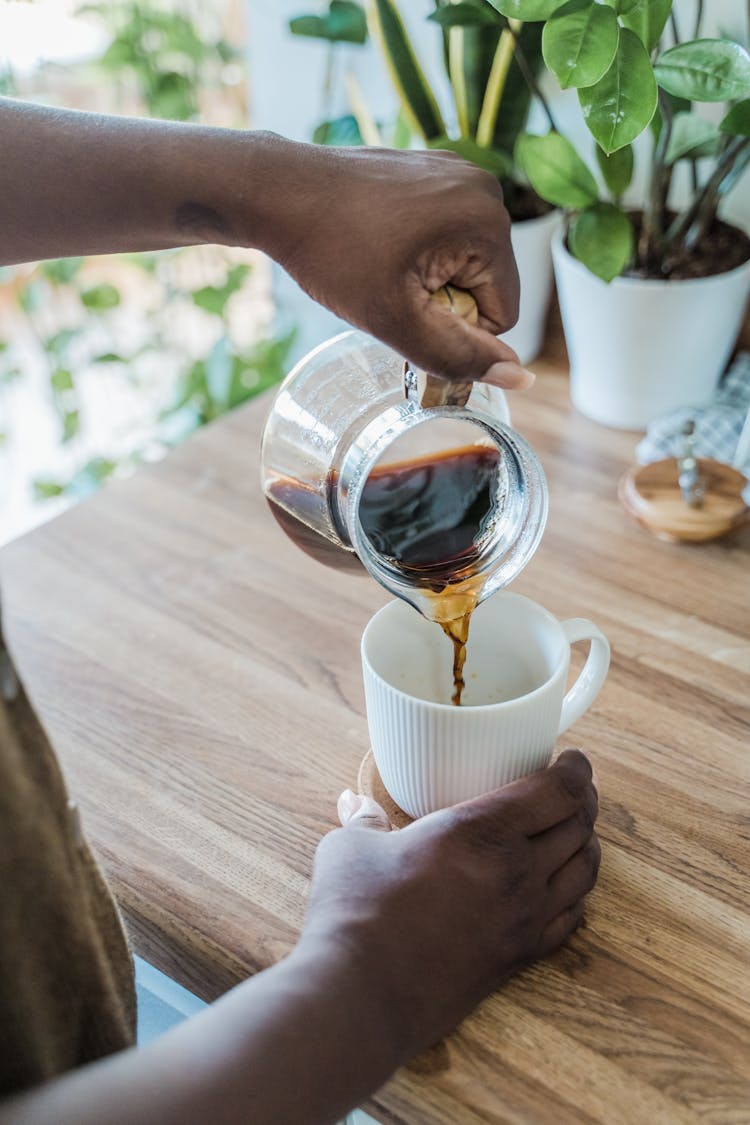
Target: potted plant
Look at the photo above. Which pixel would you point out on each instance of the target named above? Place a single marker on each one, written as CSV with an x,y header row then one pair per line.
x,y
491,64
652,297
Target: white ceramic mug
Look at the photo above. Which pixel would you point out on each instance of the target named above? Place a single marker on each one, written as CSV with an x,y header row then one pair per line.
x,y
431,754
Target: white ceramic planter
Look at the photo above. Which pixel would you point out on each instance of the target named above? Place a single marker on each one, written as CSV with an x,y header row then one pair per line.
x,y
531,245
639,349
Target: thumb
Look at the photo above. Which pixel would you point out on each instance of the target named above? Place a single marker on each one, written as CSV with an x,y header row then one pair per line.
x,y
357,811
445,344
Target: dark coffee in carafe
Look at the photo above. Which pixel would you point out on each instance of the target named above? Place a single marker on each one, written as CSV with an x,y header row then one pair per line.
x,y
427,518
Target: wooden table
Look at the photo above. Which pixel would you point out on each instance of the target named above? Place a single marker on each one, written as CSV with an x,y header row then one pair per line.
x,y
200,679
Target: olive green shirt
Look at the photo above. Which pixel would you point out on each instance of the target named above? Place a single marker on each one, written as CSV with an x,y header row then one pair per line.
x,y
66,976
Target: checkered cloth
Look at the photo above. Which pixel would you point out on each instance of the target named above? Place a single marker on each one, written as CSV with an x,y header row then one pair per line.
x,y
717,426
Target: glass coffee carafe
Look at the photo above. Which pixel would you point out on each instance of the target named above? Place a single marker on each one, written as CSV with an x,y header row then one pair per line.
x,y
366,462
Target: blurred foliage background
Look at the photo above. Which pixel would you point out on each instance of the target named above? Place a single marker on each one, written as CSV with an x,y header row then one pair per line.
x,y
106,362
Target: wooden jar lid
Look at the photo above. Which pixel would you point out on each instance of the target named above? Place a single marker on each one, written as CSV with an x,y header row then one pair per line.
x,y
651,493
370,783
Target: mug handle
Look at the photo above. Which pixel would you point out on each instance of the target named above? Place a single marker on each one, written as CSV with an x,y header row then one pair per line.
x,y
593,674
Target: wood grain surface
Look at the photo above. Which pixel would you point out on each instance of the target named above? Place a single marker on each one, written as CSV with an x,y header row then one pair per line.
x,y
200,679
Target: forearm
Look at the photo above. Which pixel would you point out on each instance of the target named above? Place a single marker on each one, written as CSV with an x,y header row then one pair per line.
x,y
300,1043
79,183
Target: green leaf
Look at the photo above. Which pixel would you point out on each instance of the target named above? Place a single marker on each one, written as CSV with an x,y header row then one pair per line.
x,y
99,298
214,298
407,76
693,137
87,480
9,375
97,470
108,357
602,238
467,13
622,7
144,261
470,53
529,10
401,131
676,105
647,19
31,296
47,489
620,105
348,21
192,390
737,121
339,131
3,438
263,366
515,101
706,70
617,169
61,270
172,96
71,424
210,298
555,170
343,23
579,42
121,53
498,163
311,27
61,380
57,344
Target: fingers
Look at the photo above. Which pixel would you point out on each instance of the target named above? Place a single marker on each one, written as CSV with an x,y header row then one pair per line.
x,y
497,293
556,846
443,344
560,928
357,811
536,803
547,798
576,878
511,377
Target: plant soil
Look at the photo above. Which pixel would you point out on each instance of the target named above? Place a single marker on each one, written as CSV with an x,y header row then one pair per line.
x,y
724,248
523,203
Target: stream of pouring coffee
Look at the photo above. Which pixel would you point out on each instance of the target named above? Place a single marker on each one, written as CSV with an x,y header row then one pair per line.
x,y
426,516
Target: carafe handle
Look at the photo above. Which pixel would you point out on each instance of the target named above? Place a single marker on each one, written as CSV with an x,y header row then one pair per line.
x,y
439,391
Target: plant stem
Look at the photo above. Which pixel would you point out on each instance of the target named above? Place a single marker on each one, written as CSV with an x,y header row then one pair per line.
x,y
707,211
652,227
698,19
528,74
696,219
494,89
675,29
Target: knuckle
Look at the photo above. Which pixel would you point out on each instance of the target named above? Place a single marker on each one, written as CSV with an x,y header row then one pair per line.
x,y
455,819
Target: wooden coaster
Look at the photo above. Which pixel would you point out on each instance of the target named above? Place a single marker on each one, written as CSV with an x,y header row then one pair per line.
x,y
651,493
370,783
